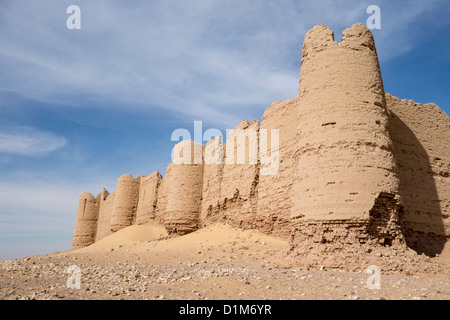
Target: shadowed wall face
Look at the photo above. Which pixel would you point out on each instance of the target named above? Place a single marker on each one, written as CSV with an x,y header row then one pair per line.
x,y
345,155
421,136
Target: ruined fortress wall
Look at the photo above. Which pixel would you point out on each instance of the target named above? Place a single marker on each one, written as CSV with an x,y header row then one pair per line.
x,y
148,196
356,166
212,180
184,191
125,202
240,177
274,189
161,200
421,136
106,204
345,155
86,223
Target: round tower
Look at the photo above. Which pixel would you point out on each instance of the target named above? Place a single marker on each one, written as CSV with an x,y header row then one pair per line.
x,y
344,158
125,202
184,189
86,223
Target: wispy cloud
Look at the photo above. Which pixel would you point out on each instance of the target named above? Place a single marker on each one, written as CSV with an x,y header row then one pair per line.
x,y
28,141
207,59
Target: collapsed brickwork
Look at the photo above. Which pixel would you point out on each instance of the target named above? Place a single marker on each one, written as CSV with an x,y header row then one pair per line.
x,y
355,167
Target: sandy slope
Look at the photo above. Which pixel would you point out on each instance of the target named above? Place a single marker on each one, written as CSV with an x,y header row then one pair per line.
x,y
131,234
216,262
217,243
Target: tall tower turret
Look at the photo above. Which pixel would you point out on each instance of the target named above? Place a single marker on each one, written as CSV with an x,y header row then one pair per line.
x,y
86,223
125,202
184,188
345,163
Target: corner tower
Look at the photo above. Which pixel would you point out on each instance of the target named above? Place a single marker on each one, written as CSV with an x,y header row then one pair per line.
x,y
345,164
86,223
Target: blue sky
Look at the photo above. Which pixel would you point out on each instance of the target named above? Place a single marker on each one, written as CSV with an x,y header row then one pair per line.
x,y
79,108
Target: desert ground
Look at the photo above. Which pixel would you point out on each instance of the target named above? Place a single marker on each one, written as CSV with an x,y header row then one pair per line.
x,y
216,262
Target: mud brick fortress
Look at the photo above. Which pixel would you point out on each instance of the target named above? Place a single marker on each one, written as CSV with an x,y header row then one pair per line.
x,y
357,167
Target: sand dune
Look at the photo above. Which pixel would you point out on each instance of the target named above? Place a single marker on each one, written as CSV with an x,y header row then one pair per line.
x,y
219,234
216,235
150,231
215,262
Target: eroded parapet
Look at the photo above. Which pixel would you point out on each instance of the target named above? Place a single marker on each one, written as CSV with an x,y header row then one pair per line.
x,y
106,205
86,223
125,202
184,180
345,156
148,196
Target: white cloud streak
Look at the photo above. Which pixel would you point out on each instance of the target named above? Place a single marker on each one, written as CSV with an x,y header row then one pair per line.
x,y
27,141
207,59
